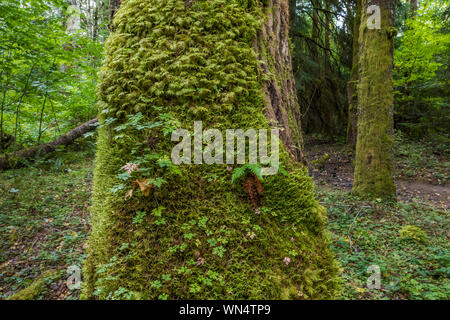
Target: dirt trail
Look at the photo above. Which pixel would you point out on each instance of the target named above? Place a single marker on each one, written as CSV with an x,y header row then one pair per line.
x,y
337,173
439,195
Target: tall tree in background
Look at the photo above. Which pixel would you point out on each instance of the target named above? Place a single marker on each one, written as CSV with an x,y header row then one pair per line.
x,y
321,59
114,6
374,155
352,87
414,7
165,231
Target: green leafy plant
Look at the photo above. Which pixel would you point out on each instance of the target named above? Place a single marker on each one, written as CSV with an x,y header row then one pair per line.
x,y
246,168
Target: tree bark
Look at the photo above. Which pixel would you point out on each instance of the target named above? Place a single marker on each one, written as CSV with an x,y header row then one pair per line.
x,y
12,160
226,63
280,93
352,92
327,55
414,7
374,154
114,6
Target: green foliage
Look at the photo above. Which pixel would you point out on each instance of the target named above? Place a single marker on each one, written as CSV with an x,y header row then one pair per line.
x,y
139,218
321,70
36,288
241,171
367,233
422,160
47,76
45,223
421,71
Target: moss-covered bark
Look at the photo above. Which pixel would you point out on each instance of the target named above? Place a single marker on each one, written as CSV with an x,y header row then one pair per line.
x,y
352,87
374,158
198,235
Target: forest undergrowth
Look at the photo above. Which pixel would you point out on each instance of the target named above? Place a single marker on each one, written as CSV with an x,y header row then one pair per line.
x,y
45,223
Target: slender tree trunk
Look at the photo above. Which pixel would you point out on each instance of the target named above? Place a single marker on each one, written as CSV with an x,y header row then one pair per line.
x,y
374,155
414,7
95,31
292,12
327,55
159,241
41,118
19,103
315,33
352,93
2,113
54,115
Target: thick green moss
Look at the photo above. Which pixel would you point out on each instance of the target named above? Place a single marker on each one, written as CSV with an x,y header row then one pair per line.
x,y
35,289
198,235
374,155
414,233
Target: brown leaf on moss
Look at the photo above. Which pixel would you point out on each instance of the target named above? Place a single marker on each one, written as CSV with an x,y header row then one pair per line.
x,y
254,188
144,186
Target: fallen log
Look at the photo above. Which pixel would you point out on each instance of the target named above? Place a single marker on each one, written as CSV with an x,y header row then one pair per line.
x,y
10,161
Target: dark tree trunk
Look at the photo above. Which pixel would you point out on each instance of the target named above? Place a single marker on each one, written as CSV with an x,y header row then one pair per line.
x,y
352,125
113,8
414,7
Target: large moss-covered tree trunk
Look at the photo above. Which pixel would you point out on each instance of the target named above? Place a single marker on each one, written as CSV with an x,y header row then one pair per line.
x,y
352,86
195,234
374,157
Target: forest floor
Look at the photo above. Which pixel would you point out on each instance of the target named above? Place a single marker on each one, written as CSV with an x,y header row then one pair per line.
x,y
368,233
419,173
44,223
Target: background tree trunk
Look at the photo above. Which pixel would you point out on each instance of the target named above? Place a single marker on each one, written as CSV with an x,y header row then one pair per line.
x,y
352,87
281,98
226,63
374,154
414,7
114,6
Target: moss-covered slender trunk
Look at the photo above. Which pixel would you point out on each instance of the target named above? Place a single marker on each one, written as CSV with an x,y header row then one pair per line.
x,y
374,155
352,87
196,234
